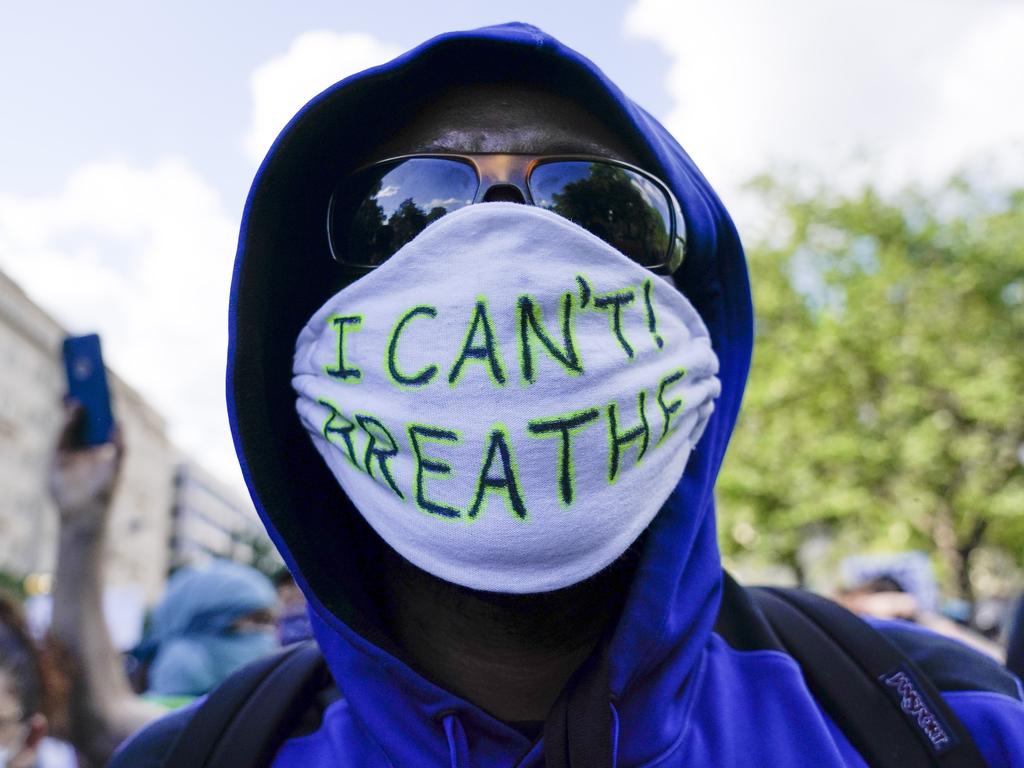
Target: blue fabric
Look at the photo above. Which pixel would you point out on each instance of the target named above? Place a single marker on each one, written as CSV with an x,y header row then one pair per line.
x,y
190,628
681,694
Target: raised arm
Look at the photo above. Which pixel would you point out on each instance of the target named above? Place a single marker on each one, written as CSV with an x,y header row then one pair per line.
x,y
102,709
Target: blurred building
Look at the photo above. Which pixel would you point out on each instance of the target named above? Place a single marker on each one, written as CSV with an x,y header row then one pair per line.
x,y
31,387
209,520
167,511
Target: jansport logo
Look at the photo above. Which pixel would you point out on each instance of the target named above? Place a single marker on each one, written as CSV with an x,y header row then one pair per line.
x,y
913,702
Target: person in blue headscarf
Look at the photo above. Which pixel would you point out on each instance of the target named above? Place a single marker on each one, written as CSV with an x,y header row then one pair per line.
x,y
210,622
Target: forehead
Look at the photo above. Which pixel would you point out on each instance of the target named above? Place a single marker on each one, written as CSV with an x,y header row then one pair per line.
x,y
503,117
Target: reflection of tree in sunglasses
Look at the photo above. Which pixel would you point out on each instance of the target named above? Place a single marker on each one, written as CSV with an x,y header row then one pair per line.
x,y
377,235
610,204
619,206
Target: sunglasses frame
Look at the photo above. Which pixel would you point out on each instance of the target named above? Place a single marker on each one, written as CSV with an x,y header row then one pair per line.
x,y
498,169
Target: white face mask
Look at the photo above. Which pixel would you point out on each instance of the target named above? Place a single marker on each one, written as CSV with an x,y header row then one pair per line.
x,y
508,400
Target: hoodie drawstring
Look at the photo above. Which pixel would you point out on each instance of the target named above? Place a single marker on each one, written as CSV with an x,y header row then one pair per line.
x,y
458,747
615,735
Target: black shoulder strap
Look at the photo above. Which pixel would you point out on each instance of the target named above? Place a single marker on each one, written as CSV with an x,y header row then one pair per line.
x,y
888,709
244,720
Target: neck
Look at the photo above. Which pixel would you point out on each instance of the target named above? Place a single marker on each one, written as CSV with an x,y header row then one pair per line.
x,y
511,655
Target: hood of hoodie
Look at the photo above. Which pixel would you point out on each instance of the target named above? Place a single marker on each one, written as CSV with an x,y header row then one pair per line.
x,y
283,273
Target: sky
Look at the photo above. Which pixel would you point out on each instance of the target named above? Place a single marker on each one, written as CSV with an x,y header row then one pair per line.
x,y
130,132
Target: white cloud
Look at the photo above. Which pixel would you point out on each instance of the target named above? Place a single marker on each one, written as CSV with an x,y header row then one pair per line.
x,y
315,61
143,256
918,87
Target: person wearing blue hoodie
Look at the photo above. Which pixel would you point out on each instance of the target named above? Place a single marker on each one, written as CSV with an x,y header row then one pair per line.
x,y
489,332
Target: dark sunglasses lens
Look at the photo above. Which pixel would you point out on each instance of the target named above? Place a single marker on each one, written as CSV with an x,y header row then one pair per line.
x,y
622,207
377,211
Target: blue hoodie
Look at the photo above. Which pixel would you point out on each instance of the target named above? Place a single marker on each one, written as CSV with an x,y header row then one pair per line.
x,y
677,693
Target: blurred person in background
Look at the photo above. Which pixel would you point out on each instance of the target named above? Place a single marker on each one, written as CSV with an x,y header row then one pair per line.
x,y
24,694
884,597
210,621
292,619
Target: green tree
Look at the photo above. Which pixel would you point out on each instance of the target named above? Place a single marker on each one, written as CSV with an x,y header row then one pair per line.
x,y
885,400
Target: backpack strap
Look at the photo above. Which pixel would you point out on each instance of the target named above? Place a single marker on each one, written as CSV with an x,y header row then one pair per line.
x,y
888,709
243,722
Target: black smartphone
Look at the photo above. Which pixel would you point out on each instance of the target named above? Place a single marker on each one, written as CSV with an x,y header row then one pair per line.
x,y
87,383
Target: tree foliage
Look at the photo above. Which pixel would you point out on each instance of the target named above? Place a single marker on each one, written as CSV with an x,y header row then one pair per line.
x,y
885,401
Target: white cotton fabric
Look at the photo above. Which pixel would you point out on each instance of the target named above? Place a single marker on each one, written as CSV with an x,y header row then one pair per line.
x,y
498,252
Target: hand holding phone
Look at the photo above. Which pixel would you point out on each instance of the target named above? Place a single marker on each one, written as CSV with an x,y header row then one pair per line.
x,y
87,385
82,478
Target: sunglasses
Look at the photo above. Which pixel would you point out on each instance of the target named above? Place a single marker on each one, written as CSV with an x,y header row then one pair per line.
x,y
382,206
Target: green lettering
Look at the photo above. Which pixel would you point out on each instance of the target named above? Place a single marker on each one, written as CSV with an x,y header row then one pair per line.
x,y
431,465
613,303
531,319
486,351
617,441
565,426
337,424
667,410
507,483
380,445
652,320
424,375
340,370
